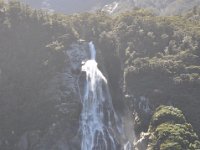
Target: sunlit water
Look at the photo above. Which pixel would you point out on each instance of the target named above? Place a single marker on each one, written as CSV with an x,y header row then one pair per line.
x,y
99,125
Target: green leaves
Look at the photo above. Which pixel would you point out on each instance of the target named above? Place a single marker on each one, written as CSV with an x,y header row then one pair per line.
x,y
169,130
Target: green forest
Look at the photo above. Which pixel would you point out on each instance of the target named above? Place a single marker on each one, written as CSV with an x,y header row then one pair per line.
x,y
142,54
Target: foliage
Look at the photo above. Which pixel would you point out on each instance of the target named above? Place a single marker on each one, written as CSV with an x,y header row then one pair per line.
x,y
32,52
147,55
166,114
161,59
169,130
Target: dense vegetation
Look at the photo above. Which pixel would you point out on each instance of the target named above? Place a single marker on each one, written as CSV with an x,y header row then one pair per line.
x,y
162,62
169,130
31,53
143,55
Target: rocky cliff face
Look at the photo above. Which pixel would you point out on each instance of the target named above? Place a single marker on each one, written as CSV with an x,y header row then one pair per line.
x,y
64,93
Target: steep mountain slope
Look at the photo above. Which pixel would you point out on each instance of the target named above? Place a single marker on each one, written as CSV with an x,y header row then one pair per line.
x,y
36,83
161,7
148,61
68,6
167,7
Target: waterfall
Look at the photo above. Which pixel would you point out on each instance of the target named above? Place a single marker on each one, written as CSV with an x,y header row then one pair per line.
x,y
92,51
99,124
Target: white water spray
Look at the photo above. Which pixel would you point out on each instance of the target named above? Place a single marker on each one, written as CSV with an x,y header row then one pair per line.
x,y
99,124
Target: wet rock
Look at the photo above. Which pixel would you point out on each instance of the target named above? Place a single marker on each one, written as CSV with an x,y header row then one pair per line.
x,y
142,143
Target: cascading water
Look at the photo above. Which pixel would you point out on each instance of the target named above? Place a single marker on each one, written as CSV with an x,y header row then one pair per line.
x,y
99,123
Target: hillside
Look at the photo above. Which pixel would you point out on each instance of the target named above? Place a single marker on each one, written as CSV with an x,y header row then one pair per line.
x,y
167,7
160,7
68,6
148,61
